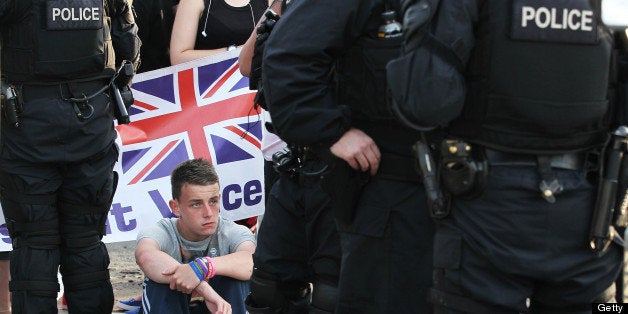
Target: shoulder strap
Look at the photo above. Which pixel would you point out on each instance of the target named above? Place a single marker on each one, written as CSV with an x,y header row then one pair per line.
x,y
418,30
417,17
445,51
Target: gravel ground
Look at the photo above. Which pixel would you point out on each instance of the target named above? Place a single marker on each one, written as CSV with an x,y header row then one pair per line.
x,y
126,276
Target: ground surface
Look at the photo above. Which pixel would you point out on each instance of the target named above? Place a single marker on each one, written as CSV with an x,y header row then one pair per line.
x,y
126,276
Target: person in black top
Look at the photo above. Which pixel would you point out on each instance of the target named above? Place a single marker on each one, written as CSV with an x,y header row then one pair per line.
x,y
154,19
59,60
324,82
206,27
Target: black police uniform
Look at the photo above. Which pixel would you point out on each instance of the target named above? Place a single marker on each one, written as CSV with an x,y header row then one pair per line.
x,y
323,73
534,110
56,167
298,242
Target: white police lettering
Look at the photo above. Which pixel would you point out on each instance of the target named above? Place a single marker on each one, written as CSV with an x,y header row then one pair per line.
x,y
76,14
543,18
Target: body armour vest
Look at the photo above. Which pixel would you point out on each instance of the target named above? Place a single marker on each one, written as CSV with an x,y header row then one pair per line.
x,y
538,77
58,41
361,74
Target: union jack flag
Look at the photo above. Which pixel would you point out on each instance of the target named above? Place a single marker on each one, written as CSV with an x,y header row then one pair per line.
x,y
182,107
198,109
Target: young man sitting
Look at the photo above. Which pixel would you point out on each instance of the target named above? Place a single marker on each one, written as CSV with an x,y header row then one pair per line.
x,y
196,256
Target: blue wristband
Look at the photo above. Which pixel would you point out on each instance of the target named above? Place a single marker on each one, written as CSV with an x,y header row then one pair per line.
x,y
198,271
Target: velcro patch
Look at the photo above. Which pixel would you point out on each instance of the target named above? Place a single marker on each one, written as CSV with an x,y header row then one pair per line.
x,y
74,14
559,21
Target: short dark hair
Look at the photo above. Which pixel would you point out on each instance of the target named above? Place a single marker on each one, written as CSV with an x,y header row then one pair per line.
x,y
197,171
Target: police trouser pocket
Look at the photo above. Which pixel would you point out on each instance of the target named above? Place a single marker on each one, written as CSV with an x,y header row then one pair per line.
x,y
447,256
344,186
447,249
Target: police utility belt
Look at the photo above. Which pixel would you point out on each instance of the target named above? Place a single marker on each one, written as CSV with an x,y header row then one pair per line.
x,y
307,166
564,161
464,167
299,163
79,94
459,170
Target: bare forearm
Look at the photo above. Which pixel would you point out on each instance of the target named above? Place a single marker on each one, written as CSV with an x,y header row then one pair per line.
x,y
237,265
246,54
153,265
189,55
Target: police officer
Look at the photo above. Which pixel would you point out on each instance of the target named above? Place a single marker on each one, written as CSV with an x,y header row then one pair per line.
x,y
298,243
324,82
56,164
536,117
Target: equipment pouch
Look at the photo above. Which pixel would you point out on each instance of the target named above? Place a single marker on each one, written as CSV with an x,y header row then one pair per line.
x,y
122,93
344,186
463,171
10,105
427,85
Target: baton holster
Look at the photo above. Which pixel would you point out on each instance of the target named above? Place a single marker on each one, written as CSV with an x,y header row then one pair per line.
x,y
600,231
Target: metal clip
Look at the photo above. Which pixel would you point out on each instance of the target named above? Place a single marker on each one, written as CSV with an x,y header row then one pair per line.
x,y
80,104
549,190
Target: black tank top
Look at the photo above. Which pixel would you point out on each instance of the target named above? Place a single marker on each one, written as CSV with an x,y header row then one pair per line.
x,y
224,25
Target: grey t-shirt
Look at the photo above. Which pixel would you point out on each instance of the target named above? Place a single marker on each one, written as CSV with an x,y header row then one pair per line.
x,y
224,241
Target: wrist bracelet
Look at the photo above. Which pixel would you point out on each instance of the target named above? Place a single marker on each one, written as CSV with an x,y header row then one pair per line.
x,y
211,266
197,270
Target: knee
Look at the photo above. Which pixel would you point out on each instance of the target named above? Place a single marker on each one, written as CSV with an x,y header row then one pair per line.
x,y
269,294
324,297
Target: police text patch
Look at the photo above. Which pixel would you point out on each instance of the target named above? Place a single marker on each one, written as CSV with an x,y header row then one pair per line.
x,y
560,21
74,14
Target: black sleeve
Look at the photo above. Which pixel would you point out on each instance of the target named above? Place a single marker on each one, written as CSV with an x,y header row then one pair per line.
x,y
455,25
622,43
126,42
621,38
144,16
144,20
12,10
299,60
5,10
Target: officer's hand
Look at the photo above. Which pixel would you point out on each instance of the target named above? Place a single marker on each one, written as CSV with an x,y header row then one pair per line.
x,y
182,278
358,150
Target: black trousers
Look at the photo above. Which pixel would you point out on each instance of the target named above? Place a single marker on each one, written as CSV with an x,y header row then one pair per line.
x,y
298,240
510,245
57,184
387,250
